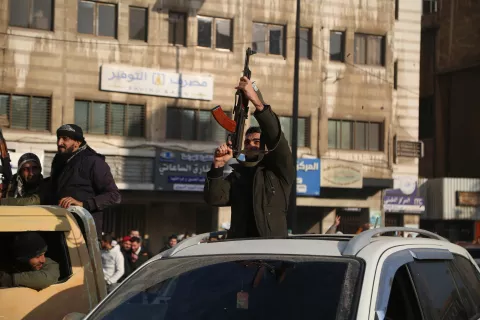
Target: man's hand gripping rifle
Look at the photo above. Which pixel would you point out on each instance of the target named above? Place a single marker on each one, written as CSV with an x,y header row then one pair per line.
x,y
240,111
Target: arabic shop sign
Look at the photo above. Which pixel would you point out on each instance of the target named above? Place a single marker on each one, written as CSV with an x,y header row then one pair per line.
x,y
181,171
122,78
404,197
308,177
341,174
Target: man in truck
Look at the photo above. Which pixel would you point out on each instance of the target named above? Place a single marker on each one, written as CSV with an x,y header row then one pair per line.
x,y
29,267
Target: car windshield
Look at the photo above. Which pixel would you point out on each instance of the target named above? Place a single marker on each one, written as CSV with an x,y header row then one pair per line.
x,y
237,287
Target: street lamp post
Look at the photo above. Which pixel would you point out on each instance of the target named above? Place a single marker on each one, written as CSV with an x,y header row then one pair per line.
x,y
293,195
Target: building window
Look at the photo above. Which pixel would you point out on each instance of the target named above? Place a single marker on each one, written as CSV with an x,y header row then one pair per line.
x,y
177,28
221,28
195,125
33,14
303,132
305,43
138,24
337,46
354,135
97,18
430,6
25,112
369,49
268,39
116,119
395,75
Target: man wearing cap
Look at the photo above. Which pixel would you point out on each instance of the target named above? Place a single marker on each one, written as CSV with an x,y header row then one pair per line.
x,y
30,268
25,187
80,176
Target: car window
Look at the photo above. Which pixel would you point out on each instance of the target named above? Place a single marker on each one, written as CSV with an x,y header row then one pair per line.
x,y
402,303
467,279
57,251
474,252
437,290
241,289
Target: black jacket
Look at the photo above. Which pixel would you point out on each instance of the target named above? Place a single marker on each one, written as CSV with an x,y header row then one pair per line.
x,y
266,189
143,256
86,178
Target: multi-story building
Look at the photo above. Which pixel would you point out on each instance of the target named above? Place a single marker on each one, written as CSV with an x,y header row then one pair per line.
x,y
450,72
140,77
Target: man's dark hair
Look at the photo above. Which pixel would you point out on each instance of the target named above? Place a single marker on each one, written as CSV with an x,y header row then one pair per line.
x,y
254,130
136,239
173,236
107,238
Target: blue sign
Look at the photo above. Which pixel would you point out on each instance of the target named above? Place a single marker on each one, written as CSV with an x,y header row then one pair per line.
x,y
181,171
404,198
308,177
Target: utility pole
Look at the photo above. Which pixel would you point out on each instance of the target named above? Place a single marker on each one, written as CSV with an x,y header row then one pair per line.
x,y
292,208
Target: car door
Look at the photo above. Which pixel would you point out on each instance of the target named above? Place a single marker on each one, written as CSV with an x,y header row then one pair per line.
x,y
428,284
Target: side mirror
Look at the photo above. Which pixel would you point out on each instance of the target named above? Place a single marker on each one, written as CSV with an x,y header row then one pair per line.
x,y
74,316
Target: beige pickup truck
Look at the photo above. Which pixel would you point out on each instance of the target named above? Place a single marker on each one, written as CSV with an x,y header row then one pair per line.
x,y
72,242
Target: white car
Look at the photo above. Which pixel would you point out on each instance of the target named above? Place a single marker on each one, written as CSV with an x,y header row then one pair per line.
x,y
365,276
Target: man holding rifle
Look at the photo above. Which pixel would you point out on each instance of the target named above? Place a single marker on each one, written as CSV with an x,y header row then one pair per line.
x,y
258,189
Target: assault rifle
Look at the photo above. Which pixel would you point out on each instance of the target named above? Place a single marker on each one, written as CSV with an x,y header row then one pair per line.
x,y
5,167
240,110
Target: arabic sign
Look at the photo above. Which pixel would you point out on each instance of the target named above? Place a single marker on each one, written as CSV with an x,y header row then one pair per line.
x,y
121,78
404,197
181,171
308,177
341,174
469,199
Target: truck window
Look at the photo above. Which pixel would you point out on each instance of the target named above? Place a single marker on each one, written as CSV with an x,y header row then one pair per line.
x,y
403,303
437,291
57,251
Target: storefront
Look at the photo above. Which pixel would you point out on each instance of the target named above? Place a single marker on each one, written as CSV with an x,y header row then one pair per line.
x,y
452,208
344,192
403,205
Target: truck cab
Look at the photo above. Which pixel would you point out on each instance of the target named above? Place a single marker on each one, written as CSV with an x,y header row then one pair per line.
x,y
72,243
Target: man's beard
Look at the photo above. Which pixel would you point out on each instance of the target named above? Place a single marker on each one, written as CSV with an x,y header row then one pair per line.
x,y
65,150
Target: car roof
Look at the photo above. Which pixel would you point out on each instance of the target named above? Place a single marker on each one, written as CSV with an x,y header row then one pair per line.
x,y
316,245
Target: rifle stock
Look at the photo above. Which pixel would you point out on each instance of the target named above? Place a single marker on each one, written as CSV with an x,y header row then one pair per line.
x,y
223,120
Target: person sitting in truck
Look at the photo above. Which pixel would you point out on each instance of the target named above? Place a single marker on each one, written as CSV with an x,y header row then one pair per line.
x,y
25,186
29,268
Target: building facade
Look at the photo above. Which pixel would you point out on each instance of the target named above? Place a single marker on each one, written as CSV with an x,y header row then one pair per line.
x,y
450,72
140,77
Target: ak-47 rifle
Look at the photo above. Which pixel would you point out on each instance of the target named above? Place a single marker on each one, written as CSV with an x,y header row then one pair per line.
x,y
240,110
5,168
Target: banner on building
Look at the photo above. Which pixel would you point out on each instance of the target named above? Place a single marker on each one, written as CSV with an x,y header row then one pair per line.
x,y
341,174
138,80
404,197
308,177
181,171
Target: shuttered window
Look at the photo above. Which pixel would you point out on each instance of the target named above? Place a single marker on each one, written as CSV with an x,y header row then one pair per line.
x,y
199,125
116,119
355,135
25,112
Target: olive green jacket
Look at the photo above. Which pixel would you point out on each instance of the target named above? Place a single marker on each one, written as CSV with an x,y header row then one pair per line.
x,y
30,198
